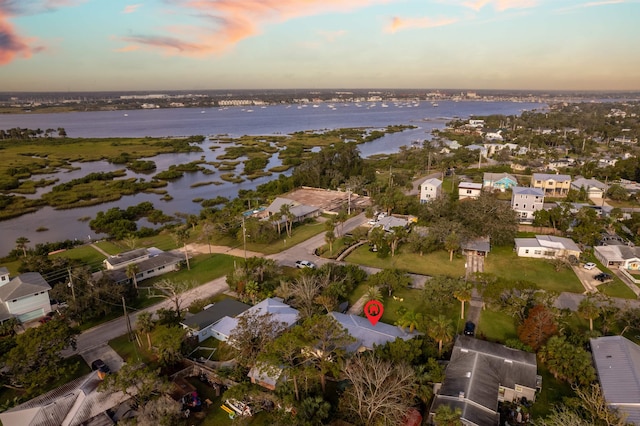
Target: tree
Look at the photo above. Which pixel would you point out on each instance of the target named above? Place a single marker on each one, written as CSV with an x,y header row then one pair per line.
x,y
463,294
21,244
252,334
381,392
35,361
418,243
8,327
145,324
172,291
132,272
397,234
373,293
169,341
139,382
410,319
285,213
330,238
181,236
390,279
488,216
327,301
589,309
440,330
285,351
163,411
304,290
538,327
445,416
451,244
325,344
313,411
567,362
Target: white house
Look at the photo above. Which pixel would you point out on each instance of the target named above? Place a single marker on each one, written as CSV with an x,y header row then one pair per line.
x,y
622,256
25,297
469,190
594,188
430,189
547,247
526,201
149,262
280,312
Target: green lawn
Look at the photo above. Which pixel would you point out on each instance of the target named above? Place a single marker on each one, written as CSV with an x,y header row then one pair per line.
x,y
617,288
436,263
504,262
130,351
551,393
411,301
496,326
87,254
360,290
110,247
204,268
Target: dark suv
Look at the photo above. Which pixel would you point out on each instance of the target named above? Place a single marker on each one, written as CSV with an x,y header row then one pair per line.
x,y
602,277
469,329
99,365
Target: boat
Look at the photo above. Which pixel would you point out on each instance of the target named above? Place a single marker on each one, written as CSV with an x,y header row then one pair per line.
x,y
434,104
126,115
201,112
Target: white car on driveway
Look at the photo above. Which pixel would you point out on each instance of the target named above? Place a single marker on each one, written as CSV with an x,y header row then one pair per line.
x,y
301,264
589,266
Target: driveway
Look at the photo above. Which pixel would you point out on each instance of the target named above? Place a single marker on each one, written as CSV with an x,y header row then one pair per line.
x,y
105,353
586,277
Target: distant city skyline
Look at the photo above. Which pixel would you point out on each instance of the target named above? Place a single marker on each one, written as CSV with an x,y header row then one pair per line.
x,y
99,45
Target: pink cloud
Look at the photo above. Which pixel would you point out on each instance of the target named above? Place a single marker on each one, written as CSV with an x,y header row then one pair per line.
x,y
129,48
228,22
332,36
131,8
500,5
12,44
398,24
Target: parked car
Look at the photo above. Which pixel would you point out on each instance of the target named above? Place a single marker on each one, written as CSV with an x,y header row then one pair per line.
x,y
603,277
300,264
100,366
589,266
469,328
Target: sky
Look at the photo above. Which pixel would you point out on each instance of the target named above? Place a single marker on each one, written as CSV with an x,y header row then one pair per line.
x,y
116,45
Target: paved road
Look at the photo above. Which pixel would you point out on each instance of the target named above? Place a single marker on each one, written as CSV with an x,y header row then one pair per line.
x,y
102,333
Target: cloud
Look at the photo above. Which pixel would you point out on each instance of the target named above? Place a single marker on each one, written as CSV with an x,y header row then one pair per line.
x,y
129,48
12,44
398,24
331,36
131,8
591,4
228,22
500,5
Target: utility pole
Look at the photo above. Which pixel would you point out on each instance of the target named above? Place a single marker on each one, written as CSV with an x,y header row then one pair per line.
x,y
126,317
244,239
73,290
349,206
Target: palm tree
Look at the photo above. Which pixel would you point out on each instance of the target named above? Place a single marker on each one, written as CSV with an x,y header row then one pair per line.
x,y
181,236
440,330
252,289
588,309
328,302
463,294
145,324
330,237
21,244
132,272
285,212
410,319
373,293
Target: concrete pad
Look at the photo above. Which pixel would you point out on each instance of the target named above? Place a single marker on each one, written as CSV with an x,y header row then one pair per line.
x,y
105,353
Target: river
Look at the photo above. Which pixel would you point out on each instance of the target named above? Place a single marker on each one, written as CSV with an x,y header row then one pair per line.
x,y
235,122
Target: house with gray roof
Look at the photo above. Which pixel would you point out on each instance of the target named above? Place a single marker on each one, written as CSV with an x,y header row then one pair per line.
x,y
150,262
618,255
469,190
25,297
75,403
280,312
482,374
299,211
430,189
553,185
593,187
498,181
617,362
547,247
200,324
367,335
526,201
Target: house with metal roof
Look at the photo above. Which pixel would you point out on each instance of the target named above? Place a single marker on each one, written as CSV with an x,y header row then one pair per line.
x,y
200,324
75,403
547,247
526,202
498,181
299,211
367,335
150,262
482,374
280,312
25,297
617,362
553,185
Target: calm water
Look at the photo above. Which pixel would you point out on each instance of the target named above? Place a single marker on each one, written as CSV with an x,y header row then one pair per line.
x,y
280,119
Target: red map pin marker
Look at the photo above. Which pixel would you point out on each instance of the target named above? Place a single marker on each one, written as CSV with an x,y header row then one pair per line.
x,y
373,310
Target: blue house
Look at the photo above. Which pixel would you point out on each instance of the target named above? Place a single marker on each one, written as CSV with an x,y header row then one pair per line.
x,y
498,181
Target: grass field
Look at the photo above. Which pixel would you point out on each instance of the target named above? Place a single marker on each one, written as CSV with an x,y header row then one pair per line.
x,y
496,326
617,288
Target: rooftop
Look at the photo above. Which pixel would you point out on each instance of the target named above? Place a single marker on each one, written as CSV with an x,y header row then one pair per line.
x,y
23,285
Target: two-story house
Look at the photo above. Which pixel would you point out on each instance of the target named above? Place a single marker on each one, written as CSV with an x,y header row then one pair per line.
x,y
498,181
553,185
25,297
430,189
526,201
480,375
469,190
